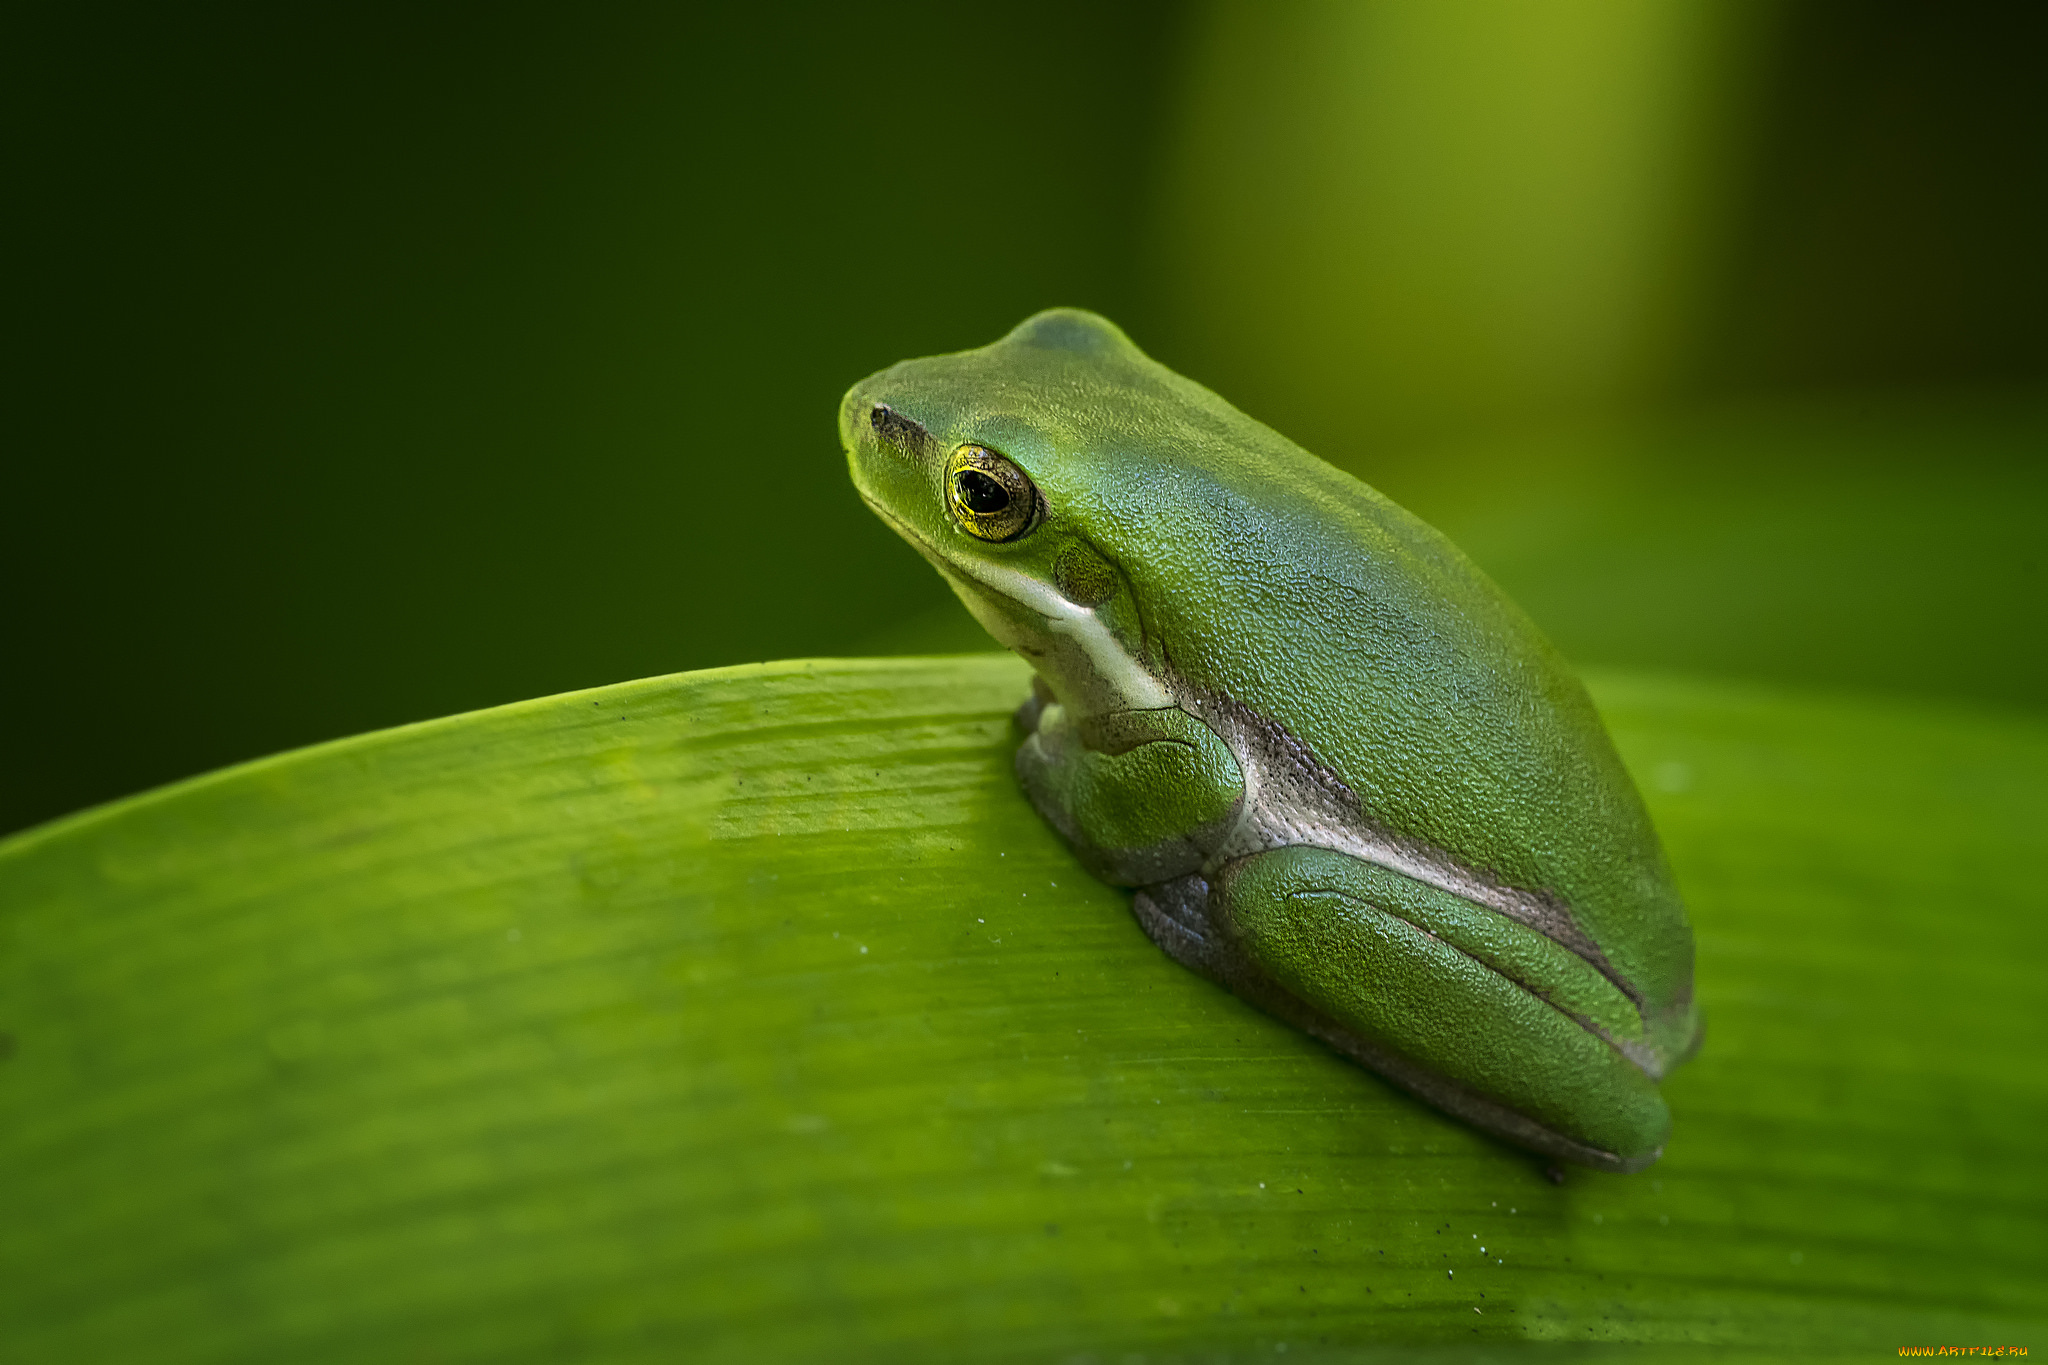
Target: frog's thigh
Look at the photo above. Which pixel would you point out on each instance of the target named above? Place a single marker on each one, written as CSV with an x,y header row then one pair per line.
x,y
1319,924
1140,808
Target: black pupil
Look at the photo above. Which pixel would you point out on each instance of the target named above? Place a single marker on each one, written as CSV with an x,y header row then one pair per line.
x,y
983,495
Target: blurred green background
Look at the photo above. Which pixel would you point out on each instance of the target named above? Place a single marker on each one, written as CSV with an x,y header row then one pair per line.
x,y
372,364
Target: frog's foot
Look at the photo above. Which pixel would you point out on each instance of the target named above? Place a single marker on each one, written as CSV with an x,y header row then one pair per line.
x,y
1027,714
1175,915
1182,916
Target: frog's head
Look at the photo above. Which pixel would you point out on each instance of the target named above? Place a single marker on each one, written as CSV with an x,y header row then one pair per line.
x,y
1000,467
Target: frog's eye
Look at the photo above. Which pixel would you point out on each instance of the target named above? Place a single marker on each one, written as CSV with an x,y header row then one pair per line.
x,y
990,497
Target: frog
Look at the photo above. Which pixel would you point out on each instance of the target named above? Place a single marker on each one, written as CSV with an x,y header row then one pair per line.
x,y
1342,775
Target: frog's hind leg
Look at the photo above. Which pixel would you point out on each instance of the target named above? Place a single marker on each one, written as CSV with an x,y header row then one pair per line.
x,y
1311,936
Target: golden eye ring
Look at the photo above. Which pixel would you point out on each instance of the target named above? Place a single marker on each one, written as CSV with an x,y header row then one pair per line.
x,y
990,498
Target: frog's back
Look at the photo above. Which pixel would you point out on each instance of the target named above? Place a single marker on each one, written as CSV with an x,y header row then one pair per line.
x,y
1331,612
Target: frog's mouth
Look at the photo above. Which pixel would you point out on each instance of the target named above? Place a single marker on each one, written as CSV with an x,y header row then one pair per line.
x,y
963,580
1002,599
904,529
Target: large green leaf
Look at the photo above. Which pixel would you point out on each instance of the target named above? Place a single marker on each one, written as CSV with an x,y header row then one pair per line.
x,y
751,1014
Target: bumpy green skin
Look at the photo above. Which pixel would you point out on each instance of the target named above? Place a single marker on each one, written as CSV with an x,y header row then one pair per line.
x,y
1351,779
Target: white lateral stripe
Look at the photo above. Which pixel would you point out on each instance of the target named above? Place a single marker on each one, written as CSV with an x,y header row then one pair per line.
x,y
1137,689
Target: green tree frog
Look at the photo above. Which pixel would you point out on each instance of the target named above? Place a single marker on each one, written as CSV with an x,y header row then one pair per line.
x,y
1346,777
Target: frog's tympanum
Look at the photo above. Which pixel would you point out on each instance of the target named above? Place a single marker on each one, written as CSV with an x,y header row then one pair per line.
x,y
1349,780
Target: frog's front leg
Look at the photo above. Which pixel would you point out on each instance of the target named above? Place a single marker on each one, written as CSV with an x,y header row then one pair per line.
x,y
1141,795
1473,1012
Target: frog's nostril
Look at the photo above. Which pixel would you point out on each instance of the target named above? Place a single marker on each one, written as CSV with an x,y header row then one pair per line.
x,y
904,433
